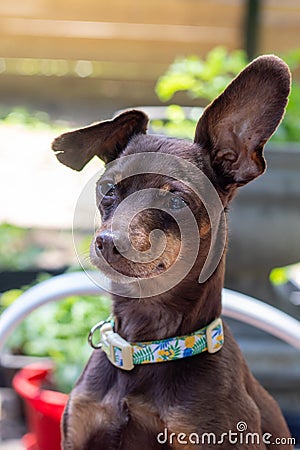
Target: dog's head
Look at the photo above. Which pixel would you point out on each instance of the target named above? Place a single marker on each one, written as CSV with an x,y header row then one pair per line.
x,y
159,196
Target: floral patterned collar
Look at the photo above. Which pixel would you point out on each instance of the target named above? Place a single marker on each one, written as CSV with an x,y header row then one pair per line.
x,y
126,355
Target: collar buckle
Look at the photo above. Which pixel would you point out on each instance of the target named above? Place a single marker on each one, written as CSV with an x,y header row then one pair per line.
x,y
117,349
214,336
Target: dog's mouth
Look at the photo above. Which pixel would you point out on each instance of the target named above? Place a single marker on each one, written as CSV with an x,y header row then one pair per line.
x,y
130,269
142,271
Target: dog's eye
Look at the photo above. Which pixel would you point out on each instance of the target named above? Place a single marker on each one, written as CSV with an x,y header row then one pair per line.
x,y
106,189
176,203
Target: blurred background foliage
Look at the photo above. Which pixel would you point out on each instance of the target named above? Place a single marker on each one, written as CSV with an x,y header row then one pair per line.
x,y
205,79
17,252
59,331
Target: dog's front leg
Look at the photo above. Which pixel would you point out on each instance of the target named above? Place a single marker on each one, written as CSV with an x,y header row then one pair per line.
x,y
89,425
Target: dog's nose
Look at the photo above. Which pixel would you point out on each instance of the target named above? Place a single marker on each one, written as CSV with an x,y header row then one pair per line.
x,y
105,246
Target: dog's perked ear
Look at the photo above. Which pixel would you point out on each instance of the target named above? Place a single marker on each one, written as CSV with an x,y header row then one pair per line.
x,y
236,125
105,139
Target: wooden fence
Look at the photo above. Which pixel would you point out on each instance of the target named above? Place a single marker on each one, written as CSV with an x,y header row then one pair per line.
x,y
118,48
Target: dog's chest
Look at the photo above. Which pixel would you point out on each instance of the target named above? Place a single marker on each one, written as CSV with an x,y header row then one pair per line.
x,y
130,423
112,423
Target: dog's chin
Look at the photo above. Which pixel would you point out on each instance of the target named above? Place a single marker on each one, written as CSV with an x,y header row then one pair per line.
x,y
129,272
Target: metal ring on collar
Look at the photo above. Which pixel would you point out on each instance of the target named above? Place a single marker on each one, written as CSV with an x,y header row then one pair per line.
x,y
96,327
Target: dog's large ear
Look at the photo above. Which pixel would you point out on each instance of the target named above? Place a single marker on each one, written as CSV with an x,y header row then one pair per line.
x,y
106,139
236,125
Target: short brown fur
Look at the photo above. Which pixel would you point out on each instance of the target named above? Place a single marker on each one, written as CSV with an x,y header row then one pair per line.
x,y
209,393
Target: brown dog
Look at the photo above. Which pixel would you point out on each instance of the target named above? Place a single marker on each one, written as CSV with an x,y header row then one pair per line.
x,y
208,399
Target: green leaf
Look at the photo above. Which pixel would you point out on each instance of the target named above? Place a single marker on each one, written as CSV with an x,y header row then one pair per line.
x,y
199,345
176,349
279,276
201,78
8,297
205,79
145,354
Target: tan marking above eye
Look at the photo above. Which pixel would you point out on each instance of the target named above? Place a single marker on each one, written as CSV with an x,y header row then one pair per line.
x,y
163,190
204,228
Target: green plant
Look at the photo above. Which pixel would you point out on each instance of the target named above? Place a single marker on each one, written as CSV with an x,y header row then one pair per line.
x,y
32,120
205,80
58,330
31,249
281,275
17,252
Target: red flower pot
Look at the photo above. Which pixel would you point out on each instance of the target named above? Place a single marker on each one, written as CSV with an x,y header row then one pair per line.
x,y
44,408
